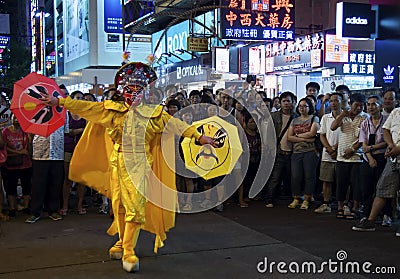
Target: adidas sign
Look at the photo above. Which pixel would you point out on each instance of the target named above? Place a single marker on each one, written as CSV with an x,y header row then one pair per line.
x,y
356,21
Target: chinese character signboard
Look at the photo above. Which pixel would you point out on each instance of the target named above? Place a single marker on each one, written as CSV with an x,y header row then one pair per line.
x,y
295,55
258,20
360,63
197,44
336,49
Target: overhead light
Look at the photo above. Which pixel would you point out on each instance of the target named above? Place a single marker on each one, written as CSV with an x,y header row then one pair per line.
x,y
38,14
240,44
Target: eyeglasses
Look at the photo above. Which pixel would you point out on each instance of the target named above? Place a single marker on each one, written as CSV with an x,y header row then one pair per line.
x,y
303,106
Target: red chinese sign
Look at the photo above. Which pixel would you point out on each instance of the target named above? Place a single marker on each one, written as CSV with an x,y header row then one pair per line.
x,y
258,20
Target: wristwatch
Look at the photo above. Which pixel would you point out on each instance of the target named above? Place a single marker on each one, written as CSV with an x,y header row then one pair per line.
x,y
371,149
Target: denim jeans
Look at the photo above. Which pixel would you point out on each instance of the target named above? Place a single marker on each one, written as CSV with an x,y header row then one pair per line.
x,y
304,168
280,171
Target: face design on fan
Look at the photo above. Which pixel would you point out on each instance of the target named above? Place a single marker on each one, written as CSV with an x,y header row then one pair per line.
x,y
44,114
206,156
133,94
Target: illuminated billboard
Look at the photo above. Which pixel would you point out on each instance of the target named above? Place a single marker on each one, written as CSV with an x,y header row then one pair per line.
x,y
264,20
76,29
336,49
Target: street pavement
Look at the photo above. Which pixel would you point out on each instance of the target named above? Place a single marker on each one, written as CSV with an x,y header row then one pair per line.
x,y
231,244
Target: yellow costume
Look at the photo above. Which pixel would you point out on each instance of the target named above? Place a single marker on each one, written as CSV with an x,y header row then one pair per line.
x,y
126,198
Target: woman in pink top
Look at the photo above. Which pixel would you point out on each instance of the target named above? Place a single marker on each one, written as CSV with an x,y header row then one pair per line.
x,y
18,165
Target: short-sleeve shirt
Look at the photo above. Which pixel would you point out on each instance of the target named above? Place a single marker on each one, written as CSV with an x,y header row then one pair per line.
x,y
368,128
349,133
303,126
50,148
393,125
71,141
331,136
17,140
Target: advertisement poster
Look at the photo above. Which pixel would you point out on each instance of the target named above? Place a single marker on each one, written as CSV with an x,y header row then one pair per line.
x,y
336,49
112,16
254,60
77,29
221,60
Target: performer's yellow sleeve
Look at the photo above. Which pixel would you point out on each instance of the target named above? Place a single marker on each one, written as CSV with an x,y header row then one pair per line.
x,y
103,113
180,127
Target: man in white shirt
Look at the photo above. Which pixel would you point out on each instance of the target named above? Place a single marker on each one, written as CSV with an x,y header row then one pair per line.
x,y
329,139
389,98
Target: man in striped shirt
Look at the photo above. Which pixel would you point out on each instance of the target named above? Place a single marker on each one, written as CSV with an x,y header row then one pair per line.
x,y
349,155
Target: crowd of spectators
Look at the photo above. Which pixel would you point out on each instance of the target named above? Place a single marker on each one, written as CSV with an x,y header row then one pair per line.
x,y
335,151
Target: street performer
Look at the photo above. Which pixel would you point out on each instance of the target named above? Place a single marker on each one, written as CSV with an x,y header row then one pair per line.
x,y
142,184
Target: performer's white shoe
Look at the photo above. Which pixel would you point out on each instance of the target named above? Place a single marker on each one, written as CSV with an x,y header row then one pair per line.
x,y
130,263
116,251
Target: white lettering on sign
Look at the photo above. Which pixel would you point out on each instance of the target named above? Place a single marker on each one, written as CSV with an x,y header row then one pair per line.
x,y
177,41
356,21
305,43
189,71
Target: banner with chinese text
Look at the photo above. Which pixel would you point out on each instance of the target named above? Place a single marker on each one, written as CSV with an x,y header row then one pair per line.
x,y
258,20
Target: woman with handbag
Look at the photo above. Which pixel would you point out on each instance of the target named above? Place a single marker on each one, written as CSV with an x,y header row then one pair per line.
x,y
18,165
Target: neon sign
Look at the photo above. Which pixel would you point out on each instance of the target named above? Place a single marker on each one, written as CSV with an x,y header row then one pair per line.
x,y
360,63
388,77
258,20
356,21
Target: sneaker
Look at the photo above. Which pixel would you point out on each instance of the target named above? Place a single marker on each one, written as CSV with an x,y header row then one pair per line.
x,y
32,219
398,232
205,204
55,216
219,207
295,203
324,208
386,221
346,210
187,207
305,205
364,226
269,205
103,209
